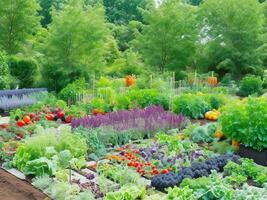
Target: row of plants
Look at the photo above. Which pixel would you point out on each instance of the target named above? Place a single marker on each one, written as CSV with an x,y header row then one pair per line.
x,y
162,155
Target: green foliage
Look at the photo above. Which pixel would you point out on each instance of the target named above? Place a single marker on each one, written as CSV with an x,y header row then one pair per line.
x,y
180,194
79,109
254,193
75,45
250,84
34,156
148,97
194,2
123,35
122,12
236,180
216,100
231,44
191,105
264,79
99,103
162,42
119,173
247,169
211,187
204,133
73,89
18,20
40,167
175,146
42,182
129,63
4,72
122,102
46,9
127,192
24,70
246,121
98,139
62,191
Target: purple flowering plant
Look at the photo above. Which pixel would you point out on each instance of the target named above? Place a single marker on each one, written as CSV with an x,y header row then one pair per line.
x,y
148,120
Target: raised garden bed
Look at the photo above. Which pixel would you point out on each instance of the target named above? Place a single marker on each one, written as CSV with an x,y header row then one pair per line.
x,y
259,157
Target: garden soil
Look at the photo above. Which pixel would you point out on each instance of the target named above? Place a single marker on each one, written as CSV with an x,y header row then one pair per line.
x,y
12,188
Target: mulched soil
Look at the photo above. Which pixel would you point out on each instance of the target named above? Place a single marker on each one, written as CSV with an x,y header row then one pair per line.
x,y
12,188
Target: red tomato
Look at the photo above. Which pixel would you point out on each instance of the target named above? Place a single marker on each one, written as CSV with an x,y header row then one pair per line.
x,y
32,115
26,119
49,117
69,119
21,123
130,164
155,171
60,114
164,171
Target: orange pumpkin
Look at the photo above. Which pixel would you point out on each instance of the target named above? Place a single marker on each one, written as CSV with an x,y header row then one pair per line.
x,y
219,134
212,115
98,112
130,80
235,144
212,80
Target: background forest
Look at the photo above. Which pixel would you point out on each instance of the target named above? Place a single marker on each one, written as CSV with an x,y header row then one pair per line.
x,y
51,43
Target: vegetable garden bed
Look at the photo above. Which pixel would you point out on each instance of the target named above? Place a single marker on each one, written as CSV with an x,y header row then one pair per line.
x,y
138,154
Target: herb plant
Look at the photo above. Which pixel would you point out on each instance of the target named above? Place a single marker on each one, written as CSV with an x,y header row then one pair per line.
x,y
246,122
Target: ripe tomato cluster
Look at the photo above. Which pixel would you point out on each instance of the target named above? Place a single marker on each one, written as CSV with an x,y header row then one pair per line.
x,y
47,113
133,160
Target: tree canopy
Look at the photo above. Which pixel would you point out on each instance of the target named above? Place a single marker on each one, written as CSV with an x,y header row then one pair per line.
x,y
75,43
64,40
18,21
232,34
168,38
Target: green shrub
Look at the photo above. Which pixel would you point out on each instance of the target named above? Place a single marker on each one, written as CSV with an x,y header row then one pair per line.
x,y
4,72
250,84
24,70
73,89
148,97
106,93
99,103
191,105
246,122
122,102
215,100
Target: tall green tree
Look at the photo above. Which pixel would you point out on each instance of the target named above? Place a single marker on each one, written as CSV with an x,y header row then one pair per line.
x,y
5,78
123,11
168,40
232,33
46,9
18,20
75,45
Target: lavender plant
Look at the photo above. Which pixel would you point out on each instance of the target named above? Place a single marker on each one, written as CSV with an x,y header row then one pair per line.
x,y
10,99
21,91
148,120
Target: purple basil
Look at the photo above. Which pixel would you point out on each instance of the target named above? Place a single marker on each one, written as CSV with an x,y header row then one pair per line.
x,y
153,118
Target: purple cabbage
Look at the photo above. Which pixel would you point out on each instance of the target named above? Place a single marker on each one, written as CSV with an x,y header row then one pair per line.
x,y
153,118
